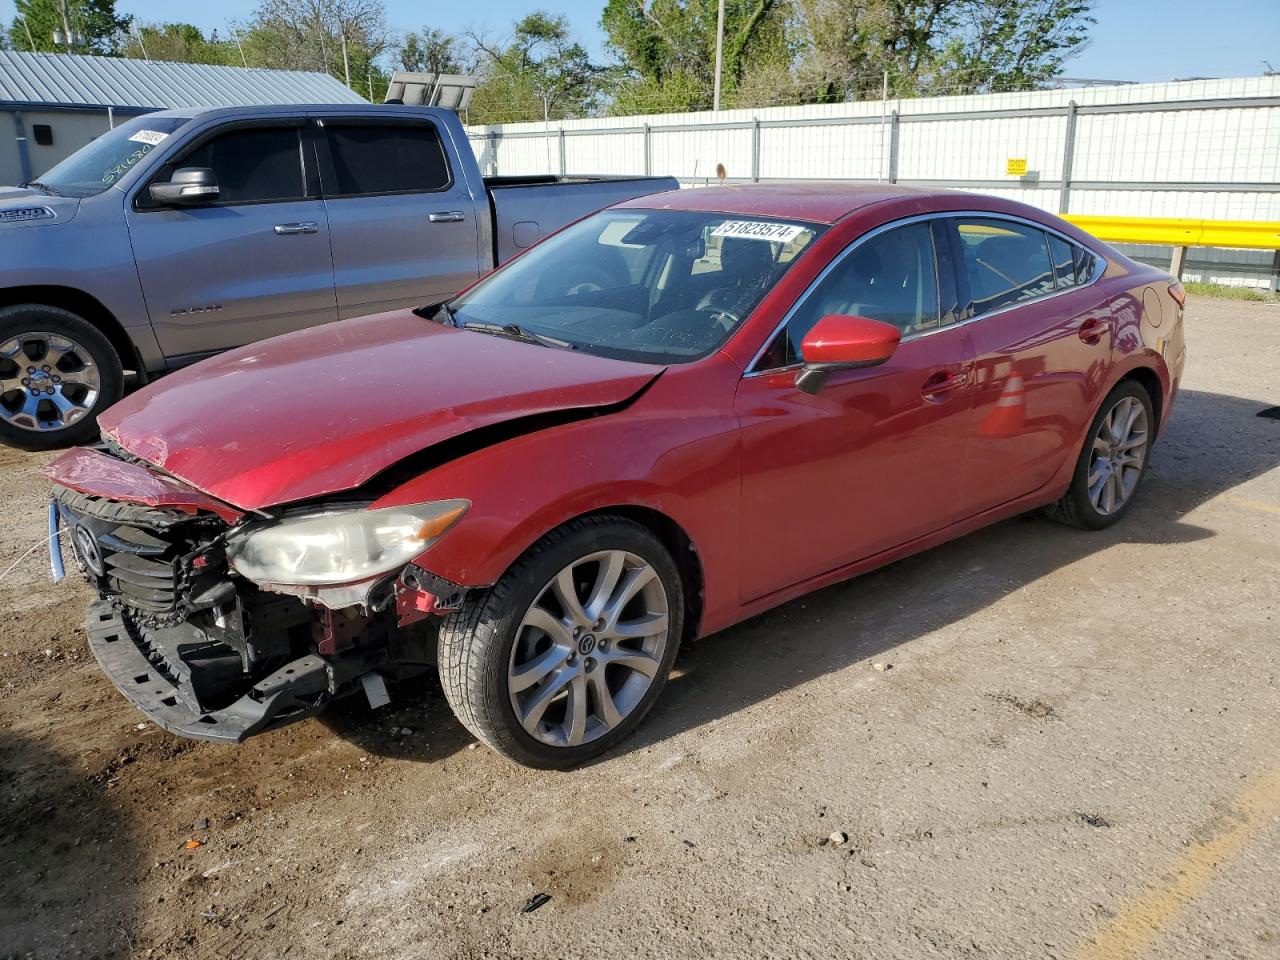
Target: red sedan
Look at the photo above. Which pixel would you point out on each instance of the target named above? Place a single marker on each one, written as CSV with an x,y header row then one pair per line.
x,y
668,417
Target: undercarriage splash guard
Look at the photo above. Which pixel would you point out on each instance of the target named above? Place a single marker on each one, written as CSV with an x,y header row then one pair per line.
x,y
297,690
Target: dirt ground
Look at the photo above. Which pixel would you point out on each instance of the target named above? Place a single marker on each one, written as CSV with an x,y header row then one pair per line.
x,y
1073,753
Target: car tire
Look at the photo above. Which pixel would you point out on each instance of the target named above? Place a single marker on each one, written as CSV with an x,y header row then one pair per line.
x,y
548,686
1110,468
44,406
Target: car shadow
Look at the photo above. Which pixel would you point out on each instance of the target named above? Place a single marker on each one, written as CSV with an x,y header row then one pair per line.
x,y
67,859
1214,443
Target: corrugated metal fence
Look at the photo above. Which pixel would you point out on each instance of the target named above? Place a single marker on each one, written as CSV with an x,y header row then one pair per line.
x,y
1205,149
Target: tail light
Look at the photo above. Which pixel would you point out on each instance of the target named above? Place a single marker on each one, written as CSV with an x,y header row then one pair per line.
x,y
1178,292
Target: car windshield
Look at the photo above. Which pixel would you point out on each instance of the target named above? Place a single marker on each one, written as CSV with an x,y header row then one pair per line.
x,y
658,286
102,162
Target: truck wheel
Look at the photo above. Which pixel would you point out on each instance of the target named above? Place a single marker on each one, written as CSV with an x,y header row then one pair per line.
x,y
57,373
567,652
1113,461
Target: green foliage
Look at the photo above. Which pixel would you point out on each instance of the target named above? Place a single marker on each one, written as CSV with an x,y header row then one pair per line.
x,y
540,71
179,43
96,20
430,51
663,41
805,51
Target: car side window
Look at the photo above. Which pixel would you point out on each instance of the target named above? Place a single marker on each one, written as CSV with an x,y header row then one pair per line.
x,y
1006,262
1072,264
253,164
377,159
891,277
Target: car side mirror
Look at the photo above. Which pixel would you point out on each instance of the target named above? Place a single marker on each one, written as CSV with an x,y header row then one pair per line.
x,y
838,342
187,187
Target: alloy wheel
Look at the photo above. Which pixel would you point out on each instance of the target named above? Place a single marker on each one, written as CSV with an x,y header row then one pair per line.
x,y
588,648
47,381
1118,455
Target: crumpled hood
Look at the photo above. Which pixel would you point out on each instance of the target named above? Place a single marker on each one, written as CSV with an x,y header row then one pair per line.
x,y
323,410
21,207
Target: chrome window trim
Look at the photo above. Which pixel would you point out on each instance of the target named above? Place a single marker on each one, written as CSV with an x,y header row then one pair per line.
x,y
1099,268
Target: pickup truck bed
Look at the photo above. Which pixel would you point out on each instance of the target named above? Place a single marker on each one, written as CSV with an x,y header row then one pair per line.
x,y
526,208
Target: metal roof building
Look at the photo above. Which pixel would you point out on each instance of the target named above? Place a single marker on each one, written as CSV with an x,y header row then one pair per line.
x,y
58,102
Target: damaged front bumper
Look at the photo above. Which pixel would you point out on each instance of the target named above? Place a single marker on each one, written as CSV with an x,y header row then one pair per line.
x,y
208,654
146,666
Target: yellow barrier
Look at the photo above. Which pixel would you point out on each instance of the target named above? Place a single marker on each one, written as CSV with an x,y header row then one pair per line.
x,y
1242,234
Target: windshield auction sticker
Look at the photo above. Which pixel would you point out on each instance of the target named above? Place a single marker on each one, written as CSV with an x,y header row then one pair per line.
x,y
151,137
758,230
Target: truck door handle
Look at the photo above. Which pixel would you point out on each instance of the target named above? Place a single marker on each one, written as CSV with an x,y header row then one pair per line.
x,y
447,216
1091,330
942,383
292,229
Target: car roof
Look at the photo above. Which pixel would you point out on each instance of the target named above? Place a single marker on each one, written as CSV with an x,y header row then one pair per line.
x,y
815,201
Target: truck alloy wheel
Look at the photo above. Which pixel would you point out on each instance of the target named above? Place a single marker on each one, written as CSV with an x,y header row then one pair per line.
x,y
57,373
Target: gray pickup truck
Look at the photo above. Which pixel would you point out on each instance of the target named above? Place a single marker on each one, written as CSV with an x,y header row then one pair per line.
x,y
185,232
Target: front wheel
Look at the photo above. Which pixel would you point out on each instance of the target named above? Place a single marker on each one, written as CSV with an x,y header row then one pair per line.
x,y
1113,461
568,651
57,373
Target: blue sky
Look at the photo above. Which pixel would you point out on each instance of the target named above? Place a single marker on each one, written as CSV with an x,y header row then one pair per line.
x,y
1134,39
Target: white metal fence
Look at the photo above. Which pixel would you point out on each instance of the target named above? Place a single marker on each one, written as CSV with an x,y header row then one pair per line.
x,y
1203,148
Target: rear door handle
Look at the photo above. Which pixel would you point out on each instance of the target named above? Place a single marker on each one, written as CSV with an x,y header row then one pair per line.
x,y
447,216
293,229
1092,329
942,383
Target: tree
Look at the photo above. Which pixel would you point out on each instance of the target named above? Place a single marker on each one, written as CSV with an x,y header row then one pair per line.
x,y
431,51
539,72
1014,44
95,20
178,43
667,47
341,37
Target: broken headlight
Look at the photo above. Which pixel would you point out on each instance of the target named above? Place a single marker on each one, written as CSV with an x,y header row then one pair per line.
x,y
342,546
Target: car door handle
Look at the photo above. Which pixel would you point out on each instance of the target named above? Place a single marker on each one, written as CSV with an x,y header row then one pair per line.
x,y
293,229
447,216
1092,329
942,383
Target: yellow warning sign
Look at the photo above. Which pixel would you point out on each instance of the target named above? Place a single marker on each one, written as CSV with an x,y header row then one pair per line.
x,y
1016,166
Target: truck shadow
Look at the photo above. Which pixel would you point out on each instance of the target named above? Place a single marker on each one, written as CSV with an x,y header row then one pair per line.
x,y
67,859
1213,444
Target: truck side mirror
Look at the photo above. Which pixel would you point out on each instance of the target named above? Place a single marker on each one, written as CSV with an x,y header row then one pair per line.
x,y
839,342
189,186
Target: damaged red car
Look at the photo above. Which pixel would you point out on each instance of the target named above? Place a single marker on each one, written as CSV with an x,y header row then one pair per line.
x,y
668,417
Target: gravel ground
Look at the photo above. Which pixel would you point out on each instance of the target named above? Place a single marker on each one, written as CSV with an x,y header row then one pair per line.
x,y
1072,751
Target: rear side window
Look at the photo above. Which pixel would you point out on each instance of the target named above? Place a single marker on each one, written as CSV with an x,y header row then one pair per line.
x,y
1072,265
1006,262
371,159
253,165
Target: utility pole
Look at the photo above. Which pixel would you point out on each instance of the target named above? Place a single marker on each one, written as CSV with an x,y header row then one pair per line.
x,y
66,36
30,39
719,52
346,61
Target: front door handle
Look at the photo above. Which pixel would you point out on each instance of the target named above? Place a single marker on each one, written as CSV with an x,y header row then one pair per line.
x,y
447,216
293,229
1092,329
938,386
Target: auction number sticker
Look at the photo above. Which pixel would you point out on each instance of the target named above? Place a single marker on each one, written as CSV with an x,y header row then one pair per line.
x,y
758,230
151,137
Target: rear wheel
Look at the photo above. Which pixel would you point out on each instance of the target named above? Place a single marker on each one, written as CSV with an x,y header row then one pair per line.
x,y
1113,461
57,373
568,651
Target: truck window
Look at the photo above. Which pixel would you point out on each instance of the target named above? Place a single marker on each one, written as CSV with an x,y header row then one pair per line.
x,y
373,159
253,165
